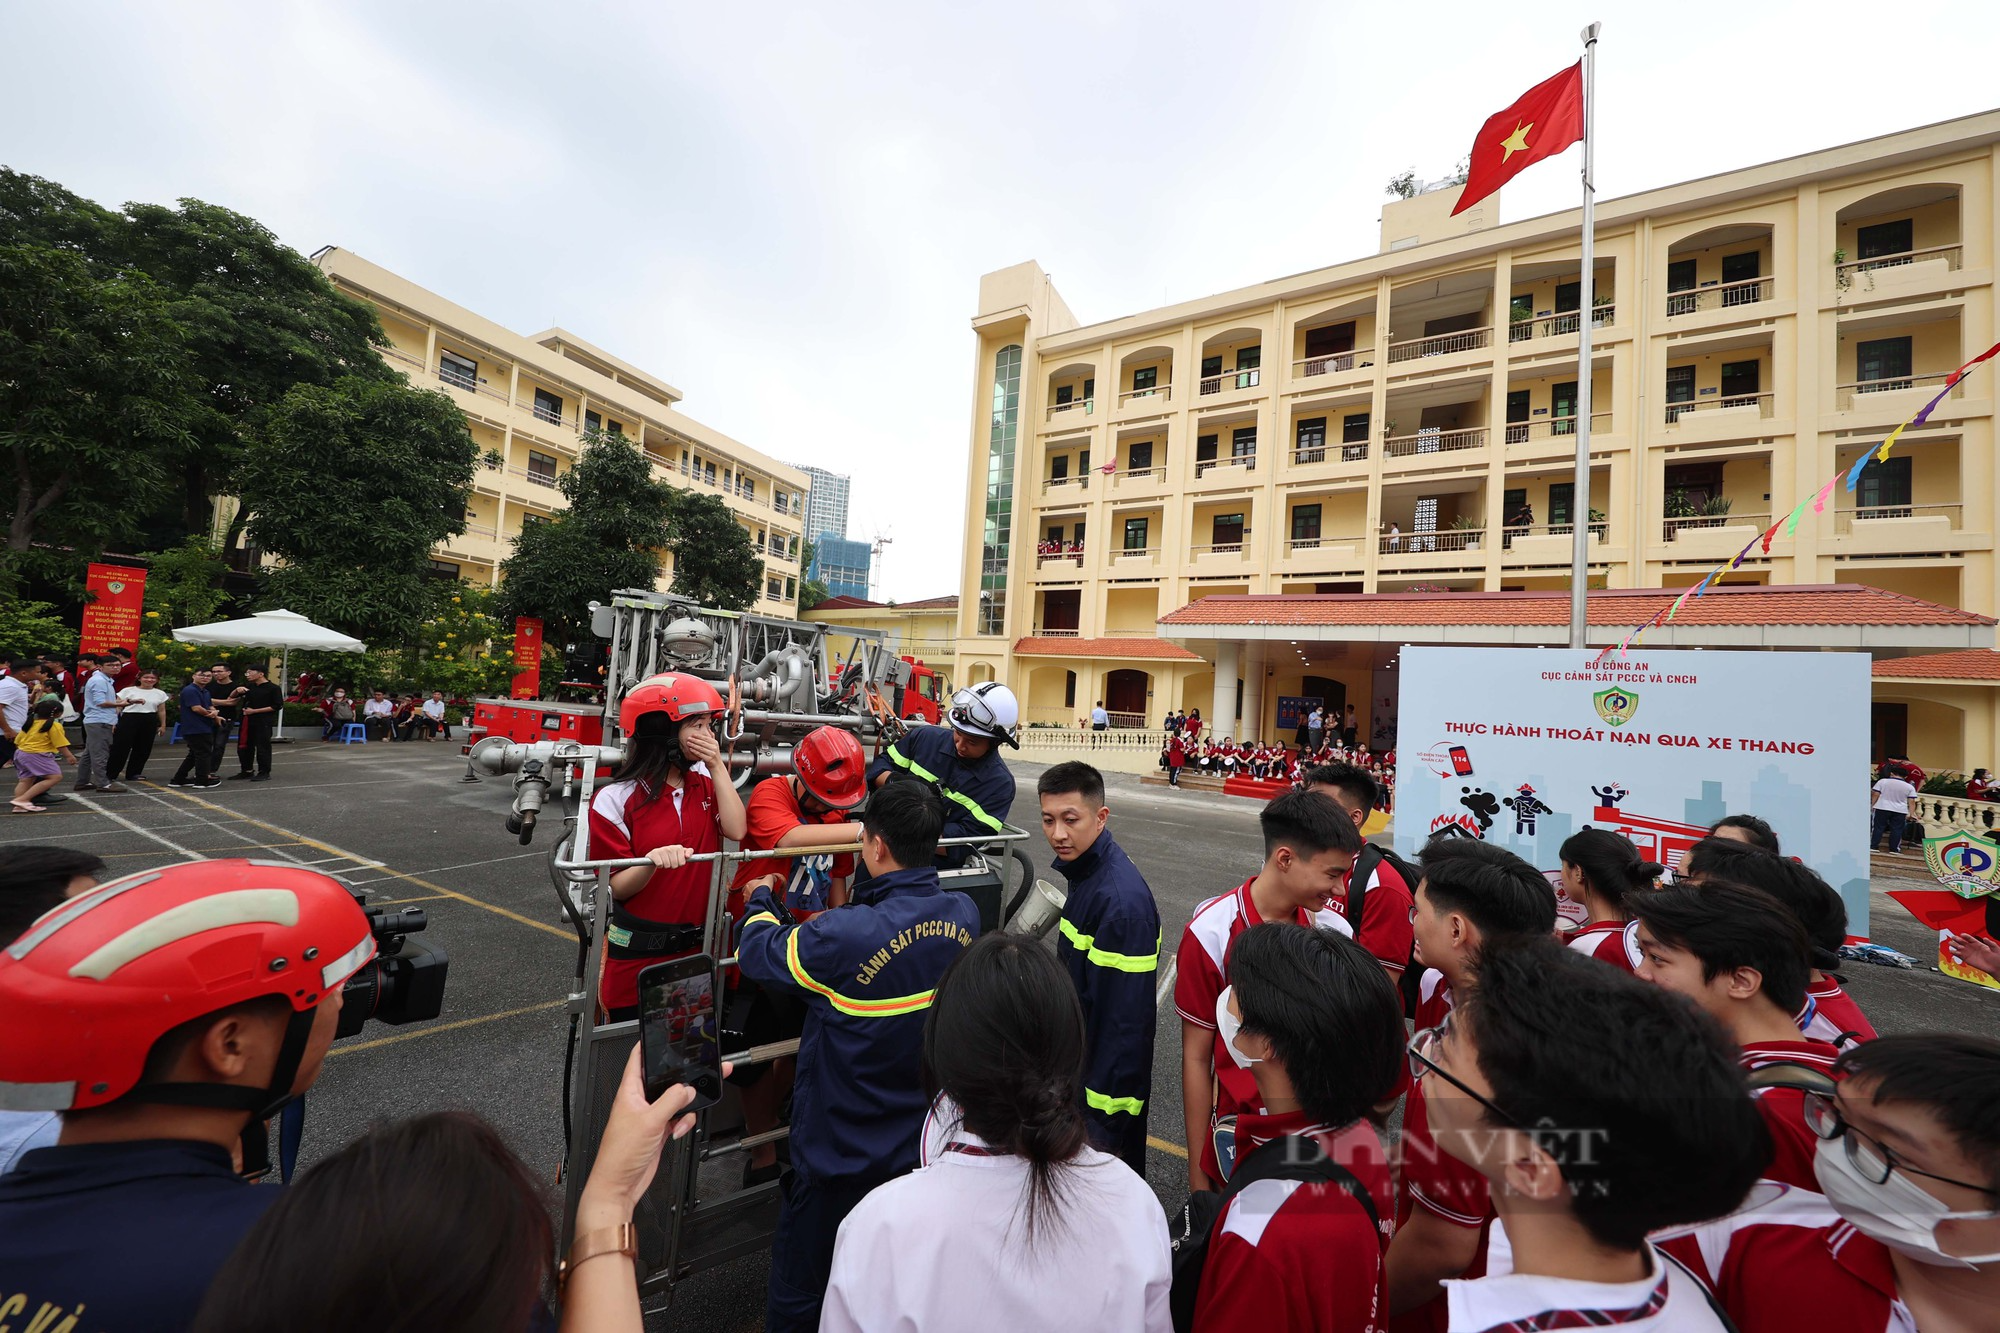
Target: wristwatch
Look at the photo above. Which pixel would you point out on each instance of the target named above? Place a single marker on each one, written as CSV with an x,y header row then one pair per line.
x,y
621,1239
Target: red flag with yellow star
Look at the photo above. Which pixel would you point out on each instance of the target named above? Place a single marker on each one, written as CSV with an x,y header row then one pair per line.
x,y
1547,119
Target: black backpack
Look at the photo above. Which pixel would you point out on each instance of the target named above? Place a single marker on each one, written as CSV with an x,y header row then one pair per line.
x,y
1294,1157
1357,894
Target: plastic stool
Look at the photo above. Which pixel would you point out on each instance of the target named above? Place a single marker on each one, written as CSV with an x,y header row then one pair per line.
x,y
175,739
350,732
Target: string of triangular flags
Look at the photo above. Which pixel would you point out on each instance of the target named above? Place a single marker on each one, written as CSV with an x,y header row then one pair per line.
x,y
1790,522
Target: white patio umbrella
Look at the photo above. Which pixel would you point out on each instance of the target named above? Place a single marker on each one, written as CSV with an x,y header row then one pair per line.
x,y
284,630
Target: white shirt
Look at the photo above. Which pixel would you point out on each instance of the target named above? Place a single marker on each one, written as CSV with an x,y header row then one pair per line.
x,y
1503,1297
379,708
1893,794
944,1249
434,709
13,702
21,1132
137,700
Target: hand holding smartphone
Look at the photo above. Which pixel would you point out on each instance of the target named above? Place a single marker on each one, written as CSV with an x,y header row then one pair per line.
x,y
678,1033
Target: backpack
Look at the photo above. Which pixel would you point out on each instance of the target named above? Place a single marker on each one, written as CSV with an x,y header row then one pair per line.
x,y
342,710
1294,1157
1357,894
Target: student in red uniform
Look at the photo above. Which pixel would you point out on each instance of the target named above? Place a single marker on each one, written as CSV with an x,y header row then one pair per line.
x,y
1473,899
1600,869
1739,955
1907,1235
1309,845
807,809
1384,928
1585,1149
661,804
1829,1014
1317,1024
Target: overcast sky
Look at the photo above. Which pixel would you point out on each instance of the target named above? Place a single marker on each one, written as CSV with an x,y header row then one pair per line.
x,y
784,209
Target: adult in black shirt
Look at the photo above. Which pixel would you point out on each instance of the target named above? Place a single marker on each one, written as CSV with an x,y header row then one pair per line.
x,y
258,706
222,688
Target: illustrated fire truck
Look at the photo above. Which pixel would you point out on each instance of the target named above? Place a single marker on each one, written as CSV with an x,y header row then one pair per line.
x,y
1663,840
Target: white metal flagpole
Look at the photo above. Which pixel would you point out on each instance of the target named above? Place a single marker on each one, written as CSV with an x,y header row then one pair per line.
x,y
1579,505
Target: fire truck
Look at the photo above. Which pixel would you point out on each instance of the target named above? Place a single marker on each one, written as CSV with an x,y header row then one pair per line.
x,y
925,696
781,679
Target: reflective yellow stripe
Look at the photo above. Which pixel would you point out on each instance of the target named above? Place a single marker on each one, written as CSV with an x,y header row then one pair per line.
x,y
761,916
1123,962
1097,1101
912,765
889,1008
920,771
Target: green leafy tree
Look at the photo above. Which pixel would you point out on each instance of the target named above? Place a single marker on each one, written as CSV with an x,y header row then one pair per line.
x,y
27,628
609,535
813,590
183,587
352,487
714,560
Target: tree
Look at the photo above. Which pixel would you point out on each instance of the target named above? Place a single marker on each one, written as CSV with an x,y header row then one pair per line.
x,y
715,562
1404,183
609,535
27,628
96,400
812,588
351,488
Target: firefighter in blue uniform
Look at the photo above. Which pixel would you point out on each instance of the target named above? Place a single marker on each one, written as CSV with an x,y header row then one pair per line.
x,y
1109,942
866,973
963,759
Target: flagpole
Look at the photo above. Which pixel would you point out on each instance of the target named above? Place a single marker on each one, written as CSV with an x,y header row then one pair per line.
x,y
1579,573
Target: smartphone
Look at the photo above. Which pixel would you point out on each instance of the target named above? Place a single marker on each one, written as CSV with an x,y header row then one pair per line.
x,y
678,1034
1461,762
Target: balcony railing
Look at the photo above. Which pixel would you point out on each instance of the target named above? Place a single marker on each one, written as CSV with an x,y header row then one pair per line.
x,y
480,530
1760,403
1599,529
1952,256
533,477
1239,548
1441,344
1333,363
1143,554
1339,453
1248,462
457,379
1297,544
1847,396
1068,485
1720,296
1163,392
543,412
1430,543
1857,519
1521,432
1042,632
1086,406
1673,527
1233,379
1554,326
1138,475
1059,557
1434,440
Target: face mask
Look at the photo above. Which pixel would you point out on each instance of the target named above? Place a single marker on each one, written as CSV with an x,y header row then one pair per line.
x,y
1227,1025
1897,1213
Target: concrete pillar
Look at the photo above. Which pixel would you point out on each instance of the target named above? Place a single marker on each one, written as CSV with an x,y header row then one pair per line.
x,y
1254,655
1222,708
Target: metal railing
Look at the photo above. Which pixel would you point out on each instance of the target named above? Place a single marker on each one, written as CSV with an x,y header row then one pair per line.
x,y
1952,256
1148,554
1248,378
1442,344
1554,326
1845,395
1599,531
1163,392
1333,363
480,530
1239,549
1058,557
1673,527
1338,453
1720,296
1087,406
1297,544
1136,475
1852,520
1759,401
1430,543
1248,462
537,478
1521,432
1433,440
1081,481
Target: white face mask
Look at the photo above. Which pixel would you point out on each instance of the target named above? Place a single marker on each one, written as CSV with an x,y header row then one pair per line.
x,y
1898,1213
1227,1025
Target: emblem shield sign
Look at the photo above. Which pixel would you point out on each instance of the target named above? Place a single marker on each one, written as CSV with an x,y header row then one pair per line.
x,y
1616,706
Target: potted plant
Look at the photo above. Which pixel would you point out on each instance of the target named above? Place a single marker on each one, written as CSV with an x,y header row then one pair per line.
x,y
1471,526
1715,509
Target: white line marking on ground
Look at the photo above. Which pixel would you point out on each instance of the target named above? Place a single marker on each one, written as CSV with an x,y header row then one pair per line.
x,y
142,831
463,865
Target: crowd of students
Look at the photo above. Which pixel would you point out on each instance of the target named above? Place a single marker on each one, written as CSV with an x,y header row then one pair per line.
x,y
1269,761
1671,1117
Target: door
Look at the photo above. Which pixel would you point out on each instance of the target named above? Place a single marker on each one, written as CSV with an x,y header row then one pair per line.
x,y
1310,443
1329,341
1059,468
1140,456
1518,408
1424,522
1562,494
1744,268
1135,533
1204,454
1065,393
1888,731
1243,445
1226,532
1305,527
1513,507
1680,278
1060,608
1562,398
1680,391
1521,317
1125,693
1884,488
1882,364
1144,379
1249,361
1741,382
1354,436
1211,374
1885,238
1569,299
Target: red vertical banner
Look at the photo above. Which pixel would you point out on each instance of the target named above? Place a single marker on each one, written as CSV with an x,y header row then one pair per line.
x,y
111,616
527,656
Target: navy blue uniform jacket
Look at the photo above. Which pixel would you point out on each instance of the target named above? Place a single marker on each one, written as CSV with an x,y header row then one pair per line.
x,y
1110,944
977,794
867,972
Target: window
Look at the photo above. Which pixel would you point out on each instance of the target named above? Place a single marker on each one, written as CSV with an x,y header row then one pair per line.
x,y
1135,533
592,421
1354,432
1884,488
541,468
1083,465
1741,381
998,523
1680,390
1059,468
1211,365
1517,415
774,589
548,407
1743,268
456,370
708,473
1139,458
1305,526
1204,454
1332,340
791,588
1569,296
1065,393
1069,691
531,520
1226,532
1885,238
1681,277
1056,533
1562,396
1310,445
1243,445
1089,389
748,487
443,569
1144,378
1883,363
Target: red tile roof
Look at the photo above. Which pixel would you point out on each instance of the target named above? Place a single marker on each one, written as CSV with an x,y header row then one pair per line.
x,y
931,604
1975,664
1157,649
844,603
1804,604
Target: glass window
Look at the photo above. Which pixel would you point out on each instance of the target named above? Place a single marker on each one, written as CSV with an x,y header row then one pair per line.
x,y
541,467
1885,238
1226,531
1135,533
999,519
1305,525
1354,428
1310,446
548,407
458,370
1140,456
593,421
1243,443
1146,377
1883,359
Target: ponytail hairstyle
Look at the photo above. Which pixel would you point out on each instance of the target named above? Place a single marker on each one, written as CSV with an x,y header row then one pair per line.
x,y
45,713
1611,865
1004,1040
652,751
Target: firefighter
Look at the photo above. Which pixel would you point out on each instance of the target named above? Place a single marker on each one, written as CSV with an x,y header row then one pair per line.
x,y
866,973
963,760
664,803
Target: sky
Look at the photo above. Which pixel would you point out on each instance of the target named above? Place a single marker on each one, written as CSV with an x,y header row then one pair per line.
x,y
783,209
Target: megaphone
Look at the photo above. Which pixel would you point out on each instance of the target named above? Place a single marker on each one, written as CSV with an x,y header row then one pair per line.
x,y
1039,914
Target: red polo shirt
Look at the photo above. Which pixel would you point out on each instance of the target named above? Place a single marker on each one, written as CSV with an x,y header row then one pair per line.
x,y
1833,1015
1787,1261
1384,929
1604,941
1793,1144
1432,1179
772,811
627,820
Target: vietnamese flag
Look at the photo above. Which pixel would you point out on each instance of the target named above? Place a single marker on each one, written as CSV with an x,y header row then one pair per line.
x,y
1547,119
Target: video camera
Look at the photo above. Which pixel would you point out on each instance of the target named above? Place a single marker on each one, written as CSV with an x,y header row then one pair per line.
x,y
404,982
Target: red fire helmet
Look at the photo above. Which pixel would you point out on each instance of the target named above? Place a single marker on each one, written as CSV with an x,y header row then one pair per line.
x,y
675,693
831,766
96,982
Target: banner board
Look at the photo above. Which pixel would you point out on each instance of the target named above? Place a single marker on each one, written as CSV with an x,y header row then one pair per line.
x,y
527,656
111,617
1521,747
1293,710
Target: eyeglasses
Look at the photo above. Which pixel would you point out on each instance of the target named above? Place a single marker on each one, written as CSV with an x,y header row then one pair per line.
x,y
1423,1050
1872,1159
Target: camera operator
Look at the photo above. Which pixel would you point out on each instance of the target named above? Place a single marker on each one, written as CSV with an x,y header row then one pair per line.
x,y
162,1014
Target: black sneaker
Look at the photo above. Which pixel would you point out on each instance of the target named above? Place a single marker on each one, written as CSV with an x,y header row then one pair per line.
x,y
244,776
181,782
212,782
259,777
